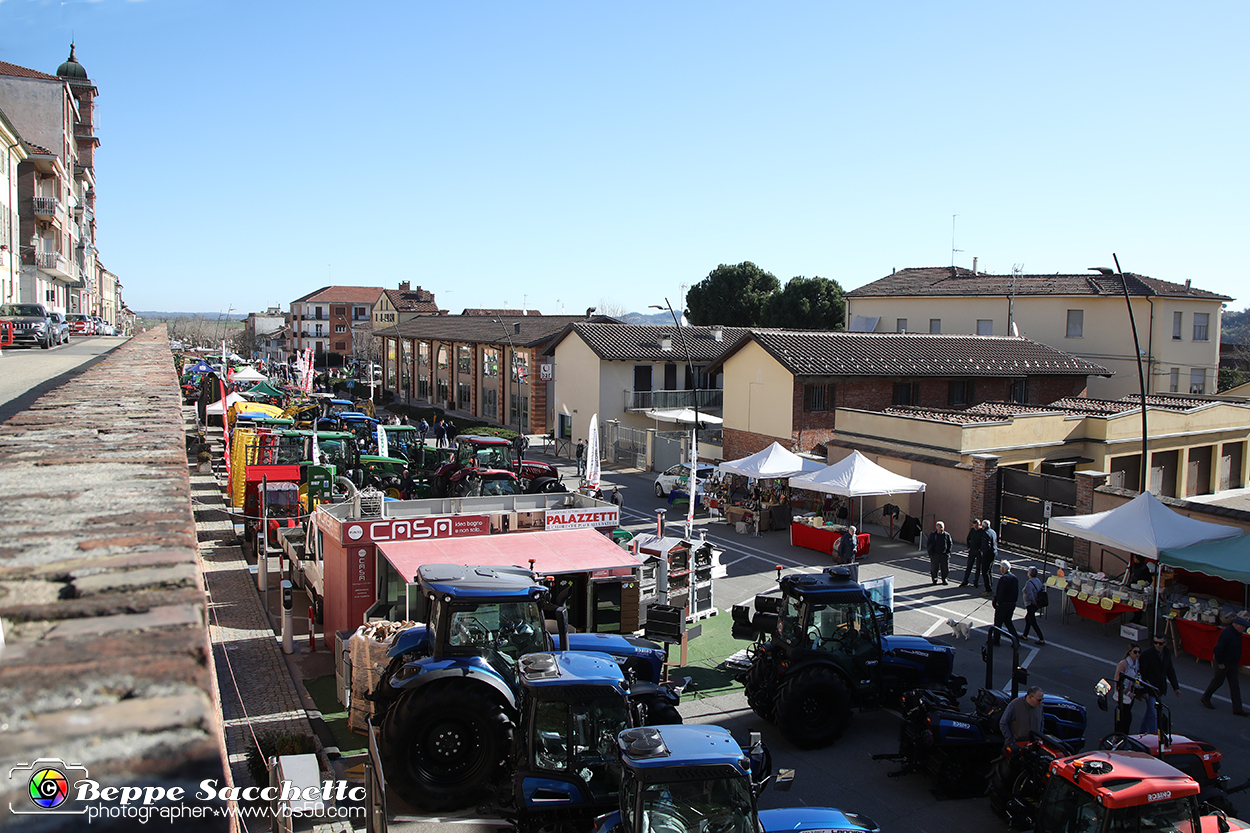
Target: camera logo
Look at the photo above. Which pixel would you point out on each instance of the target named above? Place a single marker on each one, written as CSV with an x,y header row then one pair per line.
x,y
49,783
49,788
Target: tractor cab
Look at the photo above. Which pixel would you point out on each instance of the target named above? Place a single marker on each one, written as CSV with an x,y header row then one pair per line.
x,y
1098,792
383,473
278,486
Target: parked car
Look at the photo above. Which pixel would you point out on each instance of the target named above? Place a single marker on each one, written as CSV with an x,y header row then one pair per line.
x,y
106,329
98,324
678,476
31,324
60,327
79,324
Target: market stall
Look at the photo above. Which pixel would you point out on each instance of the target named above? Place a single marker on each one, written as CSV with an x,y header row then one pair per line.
x,y
1143,526
855,476
772,506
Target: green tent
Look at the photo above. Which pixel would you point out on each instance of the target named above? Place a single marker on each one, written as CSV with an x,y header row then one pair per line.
x,y
266,389
1227,559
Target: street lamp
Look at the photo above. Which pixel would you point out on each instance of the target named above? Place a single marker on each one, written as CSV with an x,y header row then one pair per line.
x,y
503,396
694,450
1141,374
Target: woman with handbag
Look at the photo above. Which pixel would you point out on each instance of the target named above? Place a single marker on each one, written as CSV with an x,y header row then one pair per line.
x,y
1127,672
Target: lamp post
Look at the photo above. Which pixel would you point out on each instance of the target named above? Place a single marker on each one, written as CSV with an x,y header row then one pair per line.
x,y
1141,374
503,388
694,432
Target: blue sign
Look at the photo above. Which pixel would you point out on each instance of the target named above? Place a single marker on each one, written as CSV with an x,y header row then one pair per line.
x,y
351,383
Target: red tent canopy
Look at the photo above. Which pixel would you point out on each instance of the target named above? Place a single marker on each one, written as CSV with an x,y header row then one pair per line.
x,y
554,553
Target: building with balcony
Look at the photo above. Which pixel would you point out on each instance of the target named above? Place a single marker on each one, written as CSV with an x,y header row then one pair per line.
x,y
1081,314
328,320
13,152
55,117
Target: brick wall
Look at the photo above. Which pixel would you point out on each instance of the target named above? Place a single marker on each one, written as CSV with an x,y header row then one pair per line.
x,y
101,596
984,503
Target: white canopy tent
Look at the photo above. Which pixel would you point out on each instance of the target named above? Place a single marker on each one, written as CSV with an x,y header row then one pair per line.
x,y
248,374
219,408
771,463
857,476
1143,526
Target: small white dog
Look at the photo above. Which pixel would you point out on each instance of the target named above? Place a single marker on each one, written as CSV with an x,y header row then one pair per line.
x,y
962,630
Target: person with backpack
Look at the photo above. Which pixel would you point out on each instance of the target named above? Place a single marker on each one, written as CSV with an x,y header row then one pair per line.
x,y
1035,599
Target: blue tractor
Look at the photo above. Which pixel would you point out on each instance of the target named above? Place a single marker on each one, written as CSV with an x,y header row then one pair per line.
x,y
697,779
823,648
453,694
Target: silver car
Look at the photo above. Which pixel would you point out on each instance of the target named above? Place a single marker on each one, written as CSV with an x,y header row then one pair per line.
x,y
60,327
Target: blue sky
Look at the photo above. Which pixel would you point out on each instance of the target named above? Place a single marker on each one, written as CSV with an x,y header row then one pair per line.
x,y
566,155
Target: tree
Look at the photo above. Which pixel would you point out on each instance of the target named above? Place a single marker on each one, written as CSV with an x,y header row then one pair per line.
x,y
807,304
733,296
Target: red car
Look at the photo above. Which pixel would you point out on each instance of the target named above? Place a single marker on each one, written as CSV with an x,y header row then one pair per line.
x,y
80,325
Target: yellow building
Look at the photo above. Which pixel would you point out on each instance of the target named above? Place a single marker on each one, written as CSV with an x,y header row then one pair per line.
x,y
1083,314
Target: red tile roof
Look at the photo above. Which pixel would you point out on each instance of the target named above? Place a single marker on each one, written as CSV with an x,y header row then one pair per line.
x,y
342,295
22,72
960,282
412,300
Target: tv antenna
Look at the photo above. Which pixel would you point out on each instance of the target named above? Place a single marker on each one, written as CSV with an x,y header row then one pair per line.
x,y
953,249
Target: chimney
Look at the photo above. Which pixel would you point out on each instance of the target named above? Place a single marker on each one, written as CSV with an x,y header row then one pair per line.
x,y
404,286
1188,281
974,266
666,343
718,333
590,311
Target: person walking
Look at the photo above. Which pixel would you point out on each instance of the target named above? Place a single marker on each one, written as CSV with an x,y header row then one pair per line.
x,y
617,497
440,432
581,457
1127,672
423,428
848,547
1157,670
989,551
1032,589
1023,716
1005,597
973,541
1227,661
449,428
939,552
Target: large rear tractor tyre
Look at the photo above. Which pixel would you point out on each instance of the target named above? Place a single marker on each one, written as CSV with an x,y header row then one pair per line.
x,y
813,708
442,744
758,696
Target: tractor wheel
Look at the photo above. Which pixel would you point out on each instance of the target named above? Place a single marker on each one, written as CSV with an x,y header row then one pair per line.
x,y
813,708
758,695
443,743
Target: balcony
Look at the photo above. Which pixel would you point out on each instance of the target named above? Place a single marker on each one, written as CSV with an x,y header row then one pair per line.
x,y
645,400
84,131
54,263
46,207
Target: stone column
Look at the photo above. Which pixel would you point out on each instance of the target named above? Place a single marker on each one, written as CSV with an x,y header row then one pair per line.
x,y
984,503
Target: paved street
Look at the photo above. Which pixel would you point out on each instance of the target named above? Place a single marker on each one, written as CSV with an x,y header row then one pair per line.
x,y
26,373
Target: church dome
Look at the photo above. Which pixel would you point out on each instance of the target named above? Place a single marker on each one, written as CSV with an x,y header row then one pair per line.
x,y
71,68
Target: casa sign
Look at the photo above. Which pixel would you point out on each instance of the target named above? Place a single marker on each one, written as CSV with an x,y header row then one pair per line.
x,y
415,529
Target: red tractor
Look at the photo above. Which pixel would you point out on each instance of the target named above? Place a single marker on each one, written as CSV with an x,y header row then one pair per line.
x,y
483,464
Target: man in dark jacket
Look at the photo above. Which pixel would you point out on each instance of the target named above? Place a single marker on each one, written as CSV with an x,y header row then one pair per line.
x,y
847,547
989,551
1227,662
1155,666
973,542
1005,598
939,552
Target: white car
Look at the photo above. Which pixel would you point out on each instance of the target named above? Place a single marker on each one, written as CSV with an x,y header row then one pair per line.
x,y
678,476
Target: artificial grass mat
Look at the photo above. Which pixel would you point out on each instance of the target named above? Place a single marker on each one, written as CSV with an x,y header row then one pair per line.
x,y
325,694
705,658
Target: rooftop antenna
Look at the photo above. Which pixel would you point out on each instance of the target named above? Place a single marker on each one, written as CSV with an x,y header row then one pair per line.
x,y
953,249
684,320
1016,271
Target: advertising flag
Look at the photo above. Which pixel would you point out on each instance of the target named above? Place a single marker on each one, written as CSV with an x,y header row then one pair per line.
x,y
383,448
592,454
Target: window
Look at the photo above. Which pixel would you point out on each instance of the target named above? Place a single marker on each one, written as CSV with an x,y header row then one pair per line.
x,y
900,325
1197,380
423,385
1177,323
490,362
521,369
520,412
1019,391
317,313
340,310
935,325
464,359
490,403
1201,320
340,328
360,313
960,393
1076,323
423,353
464,397
818,398
905,393
985,326
443,396
1174,380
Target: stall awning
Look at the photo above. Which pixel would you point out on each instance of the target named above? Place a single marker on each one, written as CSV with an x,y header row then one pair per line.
x,y
554,553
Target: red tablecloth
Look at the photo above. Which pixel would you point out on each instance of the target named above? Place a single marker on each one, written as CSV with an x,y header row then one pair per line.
x,y
824,539
1198,638
1097,612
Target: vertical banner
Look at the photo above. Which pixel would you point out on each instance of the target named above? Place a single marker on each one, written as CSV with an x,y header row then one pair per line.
x,y
383,447
592,454
316,448
694,479
225,431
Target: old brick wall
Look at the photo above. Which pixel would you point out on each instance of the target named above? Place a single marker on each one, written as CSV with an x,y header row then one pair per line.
x,y
101,597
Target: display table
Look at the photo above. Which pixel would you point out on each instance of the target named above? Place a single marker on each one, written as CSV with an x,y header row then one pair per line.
x,y
1198,638
825,539
1095,612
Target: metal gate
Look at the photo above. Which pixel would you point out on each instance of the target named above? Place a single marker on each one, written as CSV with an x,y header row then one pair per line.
x,y
1025,501
629,446
670,448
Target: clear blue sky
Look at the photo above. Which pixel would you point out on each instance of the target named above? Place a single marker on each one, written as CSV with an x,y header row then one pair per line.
x,y
566,155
